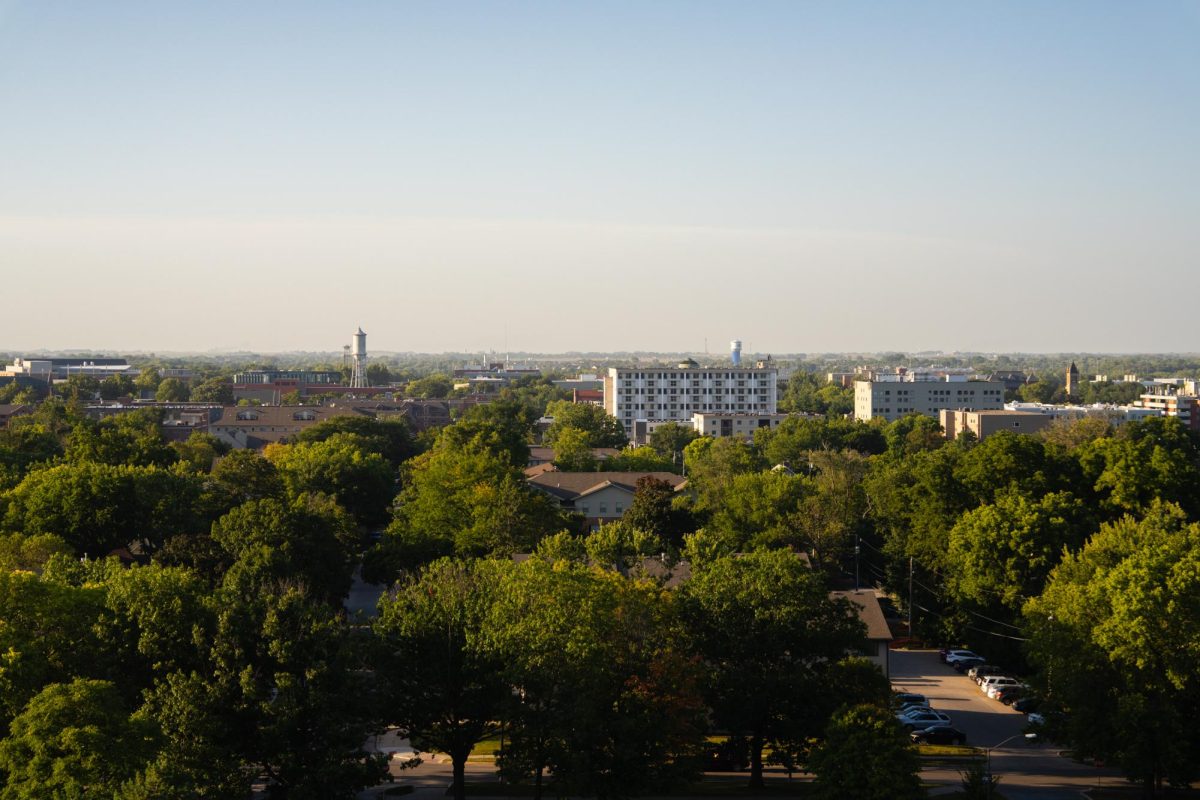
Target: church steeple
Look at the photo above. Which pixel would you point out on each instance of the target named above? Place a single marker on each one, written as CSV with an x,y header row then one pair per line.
x,y
1072,379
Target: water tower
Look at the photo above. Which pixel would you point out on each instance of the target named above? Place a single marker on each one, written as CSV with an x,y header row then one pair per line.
x,y
735,352
358,378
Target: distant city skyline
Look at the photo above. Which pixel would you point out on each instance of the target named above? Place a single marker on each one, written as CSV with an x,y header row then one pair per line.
x,y
539,177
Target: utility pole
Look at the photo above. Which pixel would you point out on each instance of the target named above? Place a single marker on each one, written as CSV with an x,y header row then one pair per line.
x,y
857,549
910,597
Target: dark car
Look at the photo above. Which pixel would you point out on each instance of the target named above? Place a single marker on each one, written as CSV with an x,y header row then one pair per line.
x,y
905,698
939,734
1011,694
1025,704
964,664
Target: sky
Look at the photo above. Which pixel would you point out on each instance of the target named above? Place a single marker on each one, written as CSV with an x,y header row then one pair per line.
x,y
548,177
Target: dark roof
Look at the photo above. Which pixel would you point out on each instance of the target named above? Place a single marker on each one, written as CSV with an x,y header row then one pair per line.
x,y
570,485
869,612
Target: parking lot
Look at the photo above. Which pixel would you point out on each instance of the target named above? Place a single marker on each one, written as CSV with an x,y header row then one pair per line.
x,y
1028,771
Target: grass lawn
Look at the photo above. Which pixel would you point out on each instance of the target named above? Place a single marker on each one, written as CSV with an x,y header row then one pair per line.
x,y
947,751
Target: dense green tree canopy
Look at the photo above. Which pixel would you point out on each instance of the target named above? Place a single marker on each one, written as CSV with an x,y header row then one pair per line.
x,y
74,740
342,466
769,634
1116,635
601,428
866,755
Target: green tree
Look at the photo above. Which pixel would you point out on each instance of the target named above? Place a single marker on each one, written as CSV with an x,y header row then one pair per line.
x,y
503,427
669,440
378,374
172,390
1115,636
602,696
341,466
639,459
74,740
912,434
244,475
18,551
309,541
1003,552
759,509
712,465
866,755
469,502
431,386
148,379
133,439
836,508
98,507
47,635
390,438
115,386
653,509
602,429
445,687
1039,392
213,390
200,451
620,546
768,634
573,452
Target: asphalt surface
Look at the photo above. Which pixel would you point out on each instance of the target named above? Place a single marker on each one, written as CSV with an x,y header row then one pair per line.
x,y
1026,770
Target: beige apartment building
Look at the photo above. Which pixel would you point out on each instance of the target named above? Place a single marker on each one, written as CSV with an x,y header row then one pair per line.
x,y
892,397
984,423
742,426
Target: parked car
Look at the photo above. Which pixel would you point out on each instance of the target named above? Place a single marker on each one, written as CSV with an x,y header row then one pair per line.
x,y
964,664
1025,704
983,669
920,720
993,691
954,655
939,734
984,678
992,683
1010,694
911,707
906,698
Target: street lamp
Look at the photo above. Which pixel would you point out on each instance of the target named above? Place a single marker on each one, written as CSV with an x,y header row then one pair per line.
x,y
1028,736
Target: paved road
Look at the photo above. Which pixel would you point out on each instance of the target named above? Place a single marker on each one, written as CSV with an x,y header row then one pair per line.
x,y
1027,771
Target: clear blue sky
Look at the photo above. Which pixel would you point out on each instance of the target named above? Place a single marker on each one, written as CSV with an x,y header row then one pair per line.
x,y
803,176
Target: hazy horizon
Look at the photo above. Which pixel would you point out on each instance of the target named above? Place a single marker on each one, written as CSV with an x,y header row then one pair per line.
x,y
538,177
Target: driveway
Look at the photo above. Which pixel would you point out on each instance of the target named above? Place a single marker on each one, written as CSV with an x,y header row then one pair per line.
x,y
1027,771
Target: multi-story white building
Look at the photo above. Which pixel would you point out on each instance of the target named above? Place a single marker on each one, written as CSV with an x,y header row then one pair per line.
x,y
891,397
1173,400
650,395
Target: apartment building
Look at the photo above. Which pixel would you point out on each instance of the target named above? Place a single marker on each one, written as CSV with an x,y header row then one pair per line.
x,y
742,426
985,423
1172,400
650,395
891,397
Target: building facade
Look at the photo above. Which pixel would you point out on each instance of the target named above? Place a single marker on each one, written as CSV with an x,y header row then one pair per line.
x,y
675,394
984,423
891,397
742,426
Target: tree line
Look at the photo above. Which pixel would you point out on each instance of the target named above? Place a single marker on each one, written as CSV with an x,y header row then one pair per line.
x,y
1070,554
